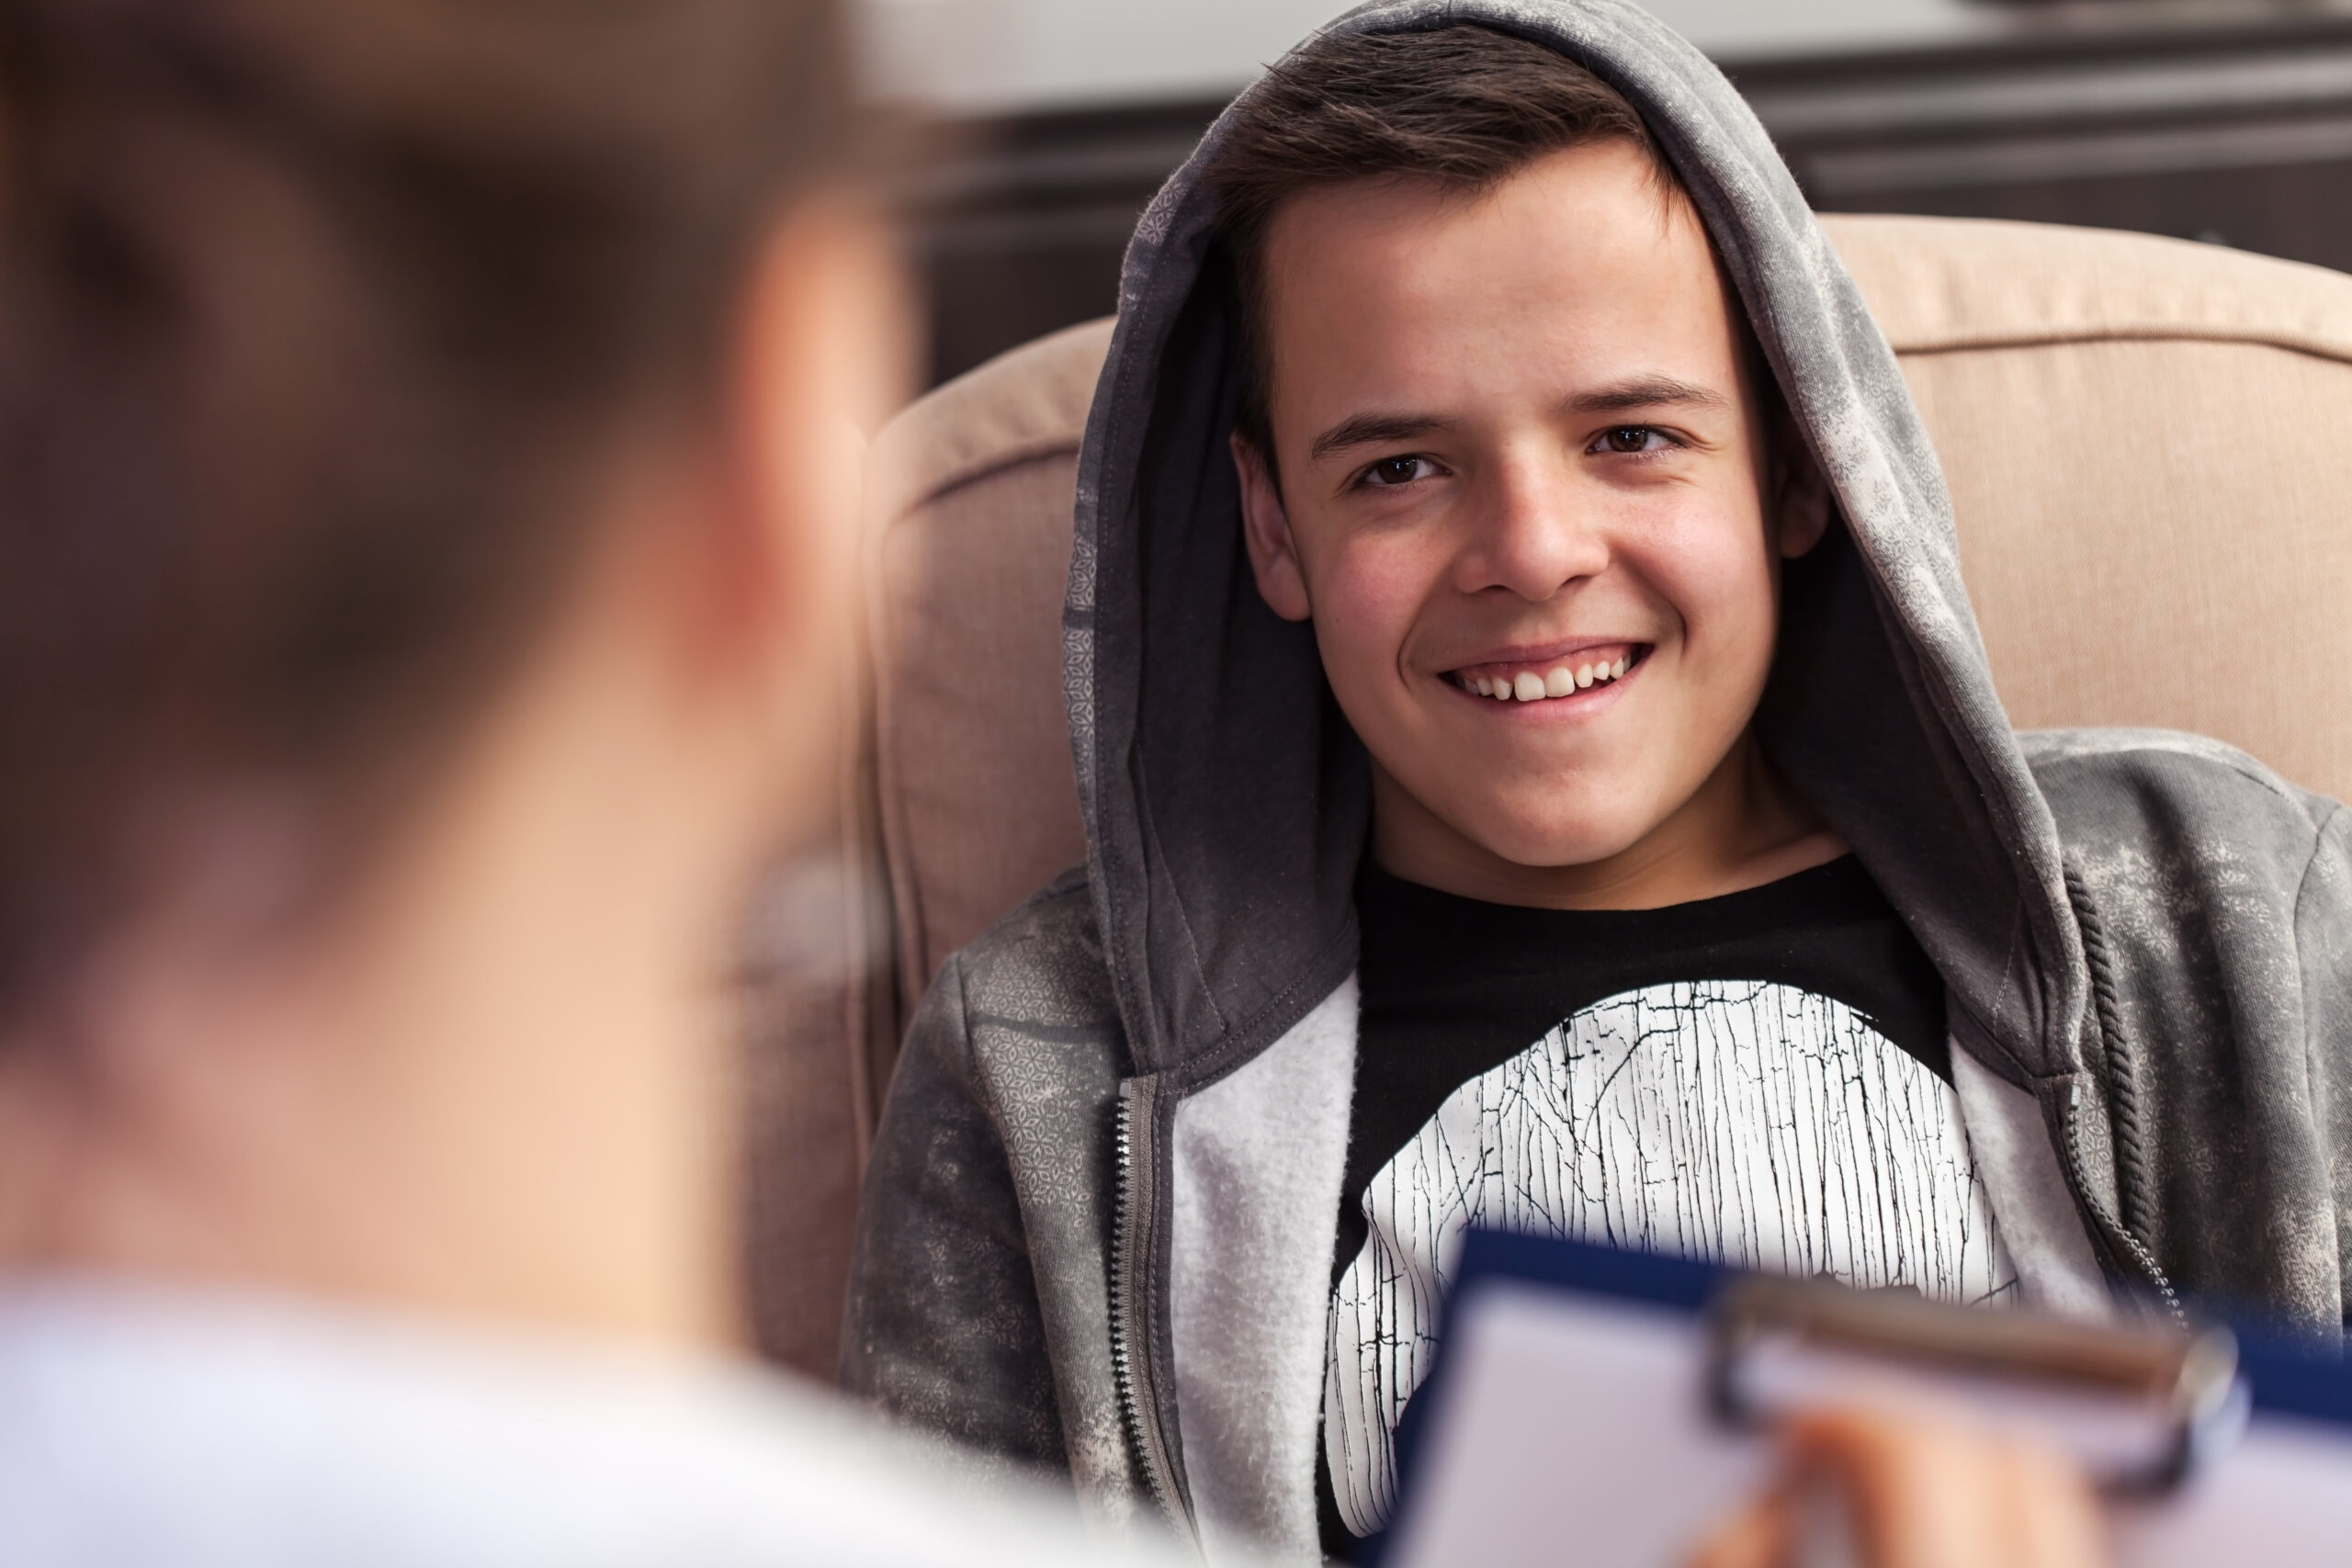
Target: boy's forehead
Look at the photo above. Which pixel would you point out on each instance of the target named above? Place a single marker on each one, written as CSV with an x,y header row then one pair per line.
x,y
1580,264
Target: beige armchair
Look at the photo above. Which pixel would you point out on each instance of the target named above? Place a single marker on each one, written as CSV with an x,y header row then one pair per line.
x,y
2149,444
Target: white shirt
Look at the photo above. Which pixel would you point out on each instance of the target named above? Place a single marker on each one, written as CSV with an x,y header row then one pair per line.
x,y
142,1428
1759,1124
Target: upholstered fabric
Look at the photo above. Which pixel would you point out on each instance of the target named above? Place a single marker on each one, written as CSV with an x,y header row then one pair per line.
x,y
2146,445
819,1037
972,749
2145,440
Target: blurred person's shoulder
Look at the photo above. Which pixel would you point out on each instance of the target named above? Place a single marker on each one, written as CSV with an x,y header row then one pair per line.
x,y
191,1430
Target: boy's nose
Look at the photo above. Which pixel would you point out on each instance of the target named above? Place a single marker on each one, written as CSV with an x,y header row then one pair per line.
x,y
1531,536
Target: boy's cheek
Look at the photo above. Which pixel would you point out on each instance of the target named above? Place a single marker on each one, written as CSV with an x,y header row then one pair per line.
x,y
1365,613
1717,574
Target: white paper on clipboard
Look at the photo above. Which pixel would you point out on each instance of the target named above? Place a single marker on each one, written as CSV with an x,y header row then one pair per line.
x,y
1573,1429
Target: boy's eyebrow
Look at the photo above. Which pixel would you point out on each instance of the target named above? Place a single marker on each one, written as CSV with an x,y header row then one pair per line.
x,y
1646,391
1640,392
1369,429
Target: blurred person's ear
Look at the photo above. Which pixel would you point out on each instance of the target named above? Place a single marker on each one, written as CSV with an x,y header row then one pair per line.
x,y
821,356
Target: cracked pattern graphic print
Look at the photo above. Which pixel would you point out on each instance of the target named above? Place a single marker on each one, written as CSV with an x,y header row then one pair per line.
x,y
1753,1124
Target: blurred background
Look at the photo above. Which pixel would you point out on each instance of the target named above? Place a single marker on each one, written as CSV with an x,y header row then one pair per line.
x,y
1049,123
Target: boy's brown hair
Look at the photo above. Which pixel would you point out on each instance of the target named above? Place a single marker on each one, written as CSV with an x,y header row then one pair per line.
x,y
1466,106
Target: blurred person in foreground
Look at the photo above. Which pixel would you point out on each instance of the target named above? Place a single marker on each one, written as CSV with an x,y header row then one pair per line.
x,y
426,493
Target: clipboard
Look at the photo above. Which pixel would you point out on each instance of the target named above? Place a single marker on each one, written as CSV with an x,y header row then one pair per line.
x,y
1593,1405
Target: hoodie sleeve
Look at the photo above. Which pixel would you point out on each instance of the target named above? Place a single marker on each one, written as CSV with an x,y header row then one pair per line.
x,y
2323,941
943,1329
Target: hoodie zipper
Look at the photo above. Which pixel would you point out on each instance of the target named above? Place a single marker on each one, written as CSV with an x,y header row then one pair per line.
x,y
2103,1019
2078,1173
1131,1208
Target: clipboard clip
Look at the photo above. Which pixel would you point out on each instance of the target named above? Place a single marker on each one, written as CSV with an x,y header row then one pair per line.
x,y
2142,1405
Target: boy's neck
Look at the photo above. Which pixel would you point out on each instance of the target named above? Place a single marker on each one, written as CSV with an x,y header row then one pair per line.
x,y
1742,829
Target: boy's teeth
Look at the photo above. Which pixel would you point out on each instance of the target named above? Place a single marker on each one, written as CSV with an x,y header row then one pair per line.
x,y
1561,681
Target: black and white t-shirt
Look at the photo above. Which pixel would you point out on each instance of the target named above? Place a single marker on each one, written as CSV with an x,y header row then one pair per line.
x,y
1761,1078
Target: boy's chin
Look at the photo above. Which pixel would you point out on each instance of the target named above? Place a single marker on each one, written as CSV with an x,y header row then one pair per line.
x,y
1514,827
1538,849
1514,834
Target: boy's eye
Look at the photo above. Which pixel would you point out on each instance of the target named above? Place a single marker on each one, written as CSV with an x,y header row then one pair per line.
x,y
1397,471
1632,439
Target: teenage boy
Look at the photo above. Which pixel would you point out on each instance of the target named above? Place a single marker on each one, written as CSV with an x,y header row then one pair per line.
x,y
1541,771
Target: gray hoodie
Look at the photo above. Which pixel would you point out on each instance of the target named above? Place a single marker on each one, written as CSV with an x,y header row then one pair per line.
x,y
1098,1227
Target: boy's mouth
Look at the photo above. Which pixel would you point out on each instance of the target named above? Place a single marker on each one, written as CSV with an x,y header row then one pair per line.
x,y
1551,678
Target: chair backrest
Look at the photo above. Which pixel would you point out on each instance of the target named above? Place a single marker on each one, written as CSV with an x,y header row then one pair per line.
x,y
974,487
2148,441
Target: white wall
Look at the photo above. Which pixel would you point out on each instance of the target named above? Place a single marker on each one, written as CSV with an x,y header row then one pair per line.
x,y
975,55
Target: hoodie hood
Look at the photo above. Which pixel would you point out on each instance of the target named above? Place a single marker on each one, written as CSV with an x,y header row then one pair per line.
x,y
1225,799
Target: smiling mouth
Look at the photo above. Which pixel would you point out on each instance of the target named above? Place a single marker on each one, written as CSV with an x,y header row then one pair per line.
x,y
1550,680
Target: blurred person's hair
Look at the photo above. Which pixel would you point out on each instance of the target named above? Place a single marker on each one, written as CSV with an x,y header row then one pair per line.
x,y
313,315
1463,107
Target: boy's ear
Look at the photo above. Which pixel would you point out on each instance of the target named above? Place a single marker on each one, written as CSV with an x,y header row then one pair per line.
x,y
1801,501
1265,529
